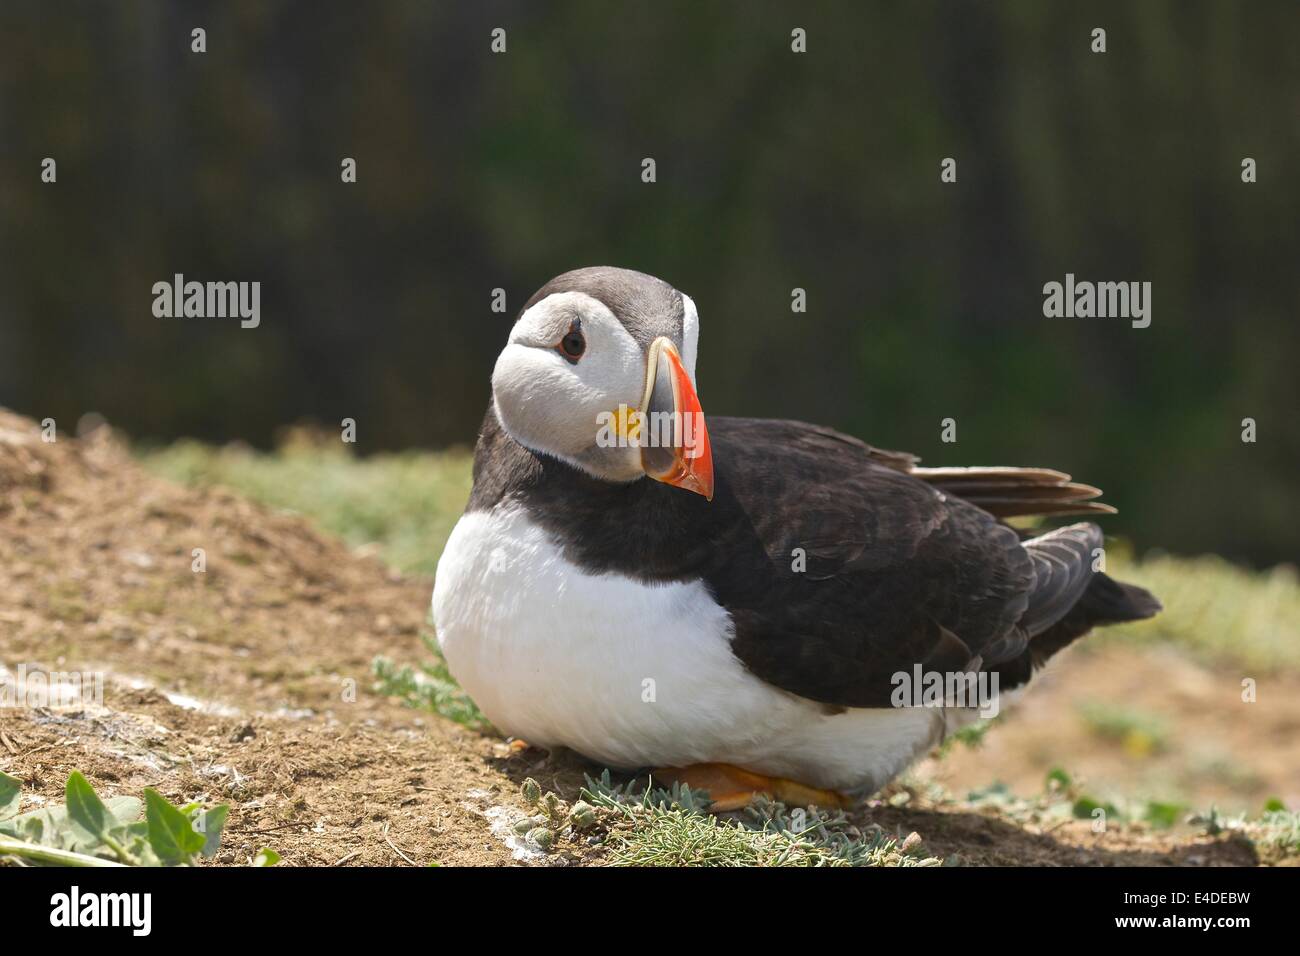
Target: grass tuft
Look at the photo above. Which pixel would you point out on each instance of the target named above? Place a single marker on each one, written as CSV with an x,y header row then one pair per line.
x,y
1220,613
671,827
1275,833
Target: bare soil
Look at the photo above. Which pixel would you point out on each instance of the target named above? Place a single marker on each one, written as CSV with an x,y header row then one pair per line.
x,y
249,683
1197,741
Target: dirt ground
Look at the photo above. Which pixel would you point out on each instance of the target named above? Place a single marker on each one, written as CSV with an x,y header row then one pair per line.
x,y
249,683
1205,746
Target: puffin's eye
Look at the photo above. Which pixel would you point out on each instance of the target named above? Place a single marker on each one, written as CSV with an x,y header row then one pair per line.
x,y
573,344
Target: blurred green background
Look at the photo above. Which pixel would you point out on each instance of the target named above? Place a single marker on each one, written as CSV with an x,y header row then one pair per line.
x,y
775,171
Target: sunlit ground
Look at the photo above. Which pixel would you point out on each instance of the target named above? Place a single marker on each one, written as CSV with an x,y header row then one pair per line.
x,y
1147,718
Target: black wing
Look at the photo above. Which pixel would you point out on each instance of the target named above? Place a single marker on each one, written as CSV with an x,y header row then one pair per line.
x,y
842,568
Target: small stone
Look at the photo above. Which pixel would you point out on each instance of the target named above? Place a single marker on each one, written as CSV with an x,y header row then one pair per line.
x,y
241,733
912,840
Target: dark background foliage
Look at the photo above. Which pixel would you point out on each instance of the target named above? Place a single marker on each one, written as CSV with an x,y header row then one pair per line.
x,y
774,171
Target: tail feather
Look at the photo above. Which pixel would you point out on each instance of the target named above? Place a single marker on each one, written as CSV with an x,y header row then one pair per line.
x,y
1106,601
1062,561
1069,599
1007,492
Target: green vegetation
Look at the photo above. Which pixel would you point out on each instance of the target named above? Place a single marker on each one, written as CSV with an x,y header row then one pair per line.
x,y
429,687
654,826
1062,798
971,736
405,504
1139,734
1275,833
88,831
1219,612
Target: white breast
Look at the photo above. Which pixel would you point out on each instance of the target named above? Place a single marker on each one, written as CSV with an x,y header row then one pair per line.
x,y
636,675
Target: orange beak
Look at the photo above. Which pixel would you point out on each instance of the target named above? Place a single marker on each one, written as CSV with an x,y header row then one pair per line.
x,y
675,441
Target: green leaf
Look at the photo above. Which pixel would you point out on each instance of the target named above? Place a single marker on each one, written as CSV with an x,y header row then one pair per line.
x,y
266,857
1163,815
125,809
1272,805
1059,777
1084,807
209,823
137,845
170,834
89,817
31,828
9,787
137,828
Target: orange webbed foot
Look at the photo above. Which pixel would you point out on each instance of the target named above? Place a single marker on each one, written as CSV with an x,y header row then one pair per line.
x,y
734,788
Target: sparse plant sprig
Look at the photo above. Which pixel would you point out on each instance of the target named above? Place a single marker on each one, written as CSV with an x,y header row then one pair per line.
x,y
429,686
1277,831
970,736
1063,798
87,831
834,832
582,816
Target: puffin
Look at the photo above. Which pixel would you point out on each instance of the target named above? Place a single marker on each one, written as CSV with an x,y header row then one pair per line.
x,y
734,603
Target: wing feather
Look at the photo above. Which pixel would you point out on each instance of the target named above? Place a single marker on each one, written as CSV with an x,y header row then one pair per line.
x,y
1007,492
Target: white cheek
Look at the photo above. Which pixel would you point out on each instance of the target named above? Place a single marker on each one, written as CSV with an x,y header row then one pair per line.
x,y
538,400
561,408
552,406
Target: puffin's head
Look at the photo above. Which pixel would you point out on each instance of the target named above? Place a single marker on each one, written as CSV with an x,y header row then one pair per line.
x,y
599,372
